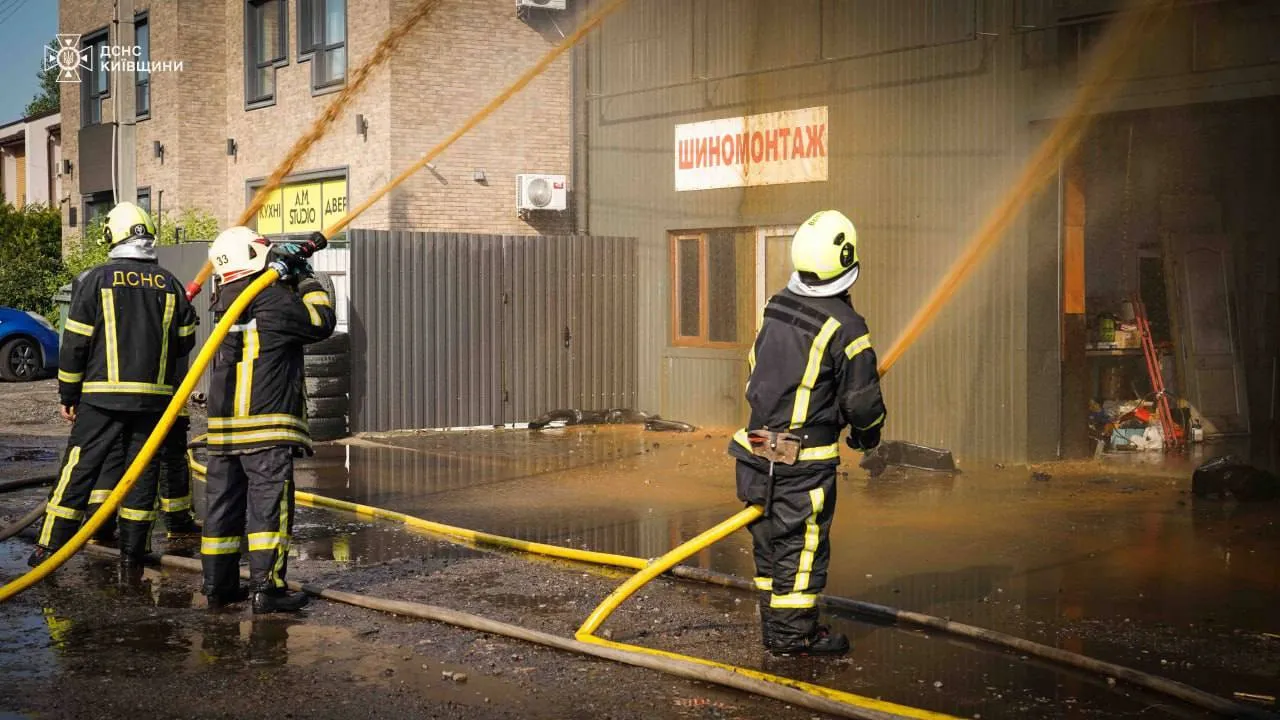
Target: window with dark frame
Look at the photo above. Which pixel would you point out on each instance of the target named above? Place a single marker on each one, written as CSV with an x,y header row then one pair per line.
x,y
96,205
142,76
266,28
144,199
95,85
322,38
713,288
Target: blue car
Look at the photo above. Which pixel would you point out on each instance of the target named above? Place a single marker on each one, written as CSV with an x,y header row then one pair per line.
x,y
28,346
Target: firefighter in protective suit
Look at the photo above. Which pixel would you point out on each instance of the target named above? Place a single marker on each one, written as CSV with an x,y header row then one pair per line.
x,y
174,477
813,373
257,419
128,327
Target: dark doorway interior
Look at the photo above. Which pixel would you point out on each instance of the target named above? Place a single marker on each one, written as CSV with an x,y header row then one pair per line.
x,y
1181,208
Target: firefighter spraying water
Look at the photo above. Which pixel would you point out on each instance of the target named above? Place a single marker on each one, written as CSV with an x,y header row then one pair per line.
x,y
813,372
257,417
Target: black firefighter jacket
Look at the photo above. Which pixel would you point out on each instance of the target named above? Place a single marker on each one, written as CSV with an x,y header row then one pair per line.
x,y
813,372
256,391
128,327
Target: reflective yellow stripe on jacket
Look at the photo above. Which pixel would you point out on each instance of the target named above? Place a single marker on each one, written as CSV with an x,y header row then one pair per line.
x,y
817,351
169,300
109,332
311,300
128,387
78,328
244,371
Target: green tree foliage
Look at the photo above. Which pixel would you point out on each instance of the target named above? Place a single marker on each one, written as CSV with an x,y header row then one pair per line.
x,y
31,267
49,97
192,225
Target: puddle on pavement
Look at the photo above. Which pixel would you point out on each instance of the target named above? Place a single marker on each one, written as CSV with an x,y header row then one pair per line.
x,y
28,455
87,624
1133,570
1070,562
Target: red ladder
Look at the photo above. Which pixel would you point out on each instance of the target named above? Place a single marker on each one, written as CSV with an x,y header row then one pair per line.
x,y
1171,438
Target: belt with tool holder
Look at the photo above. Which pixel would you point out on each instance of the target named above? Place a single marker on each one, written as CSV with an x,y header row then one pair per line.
x,y
784,448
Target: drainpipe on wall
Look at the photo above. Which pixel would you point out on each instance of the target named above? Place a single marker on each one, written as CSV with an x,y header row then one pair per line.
x,y
579,121
125,100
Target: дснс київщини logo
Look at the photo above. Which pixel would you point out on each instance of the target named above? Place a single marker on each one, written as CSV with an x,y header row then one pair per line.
x,y
67,55
69,58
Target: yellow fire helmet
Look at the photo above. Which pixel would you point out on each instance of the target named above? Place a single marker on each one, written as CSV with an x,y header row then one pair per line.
x,y
824,252
125,222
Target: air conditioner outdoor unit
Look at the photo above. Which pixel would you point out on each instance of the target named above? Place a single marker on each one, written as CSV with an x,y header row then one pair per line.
x,y
542,4
541,192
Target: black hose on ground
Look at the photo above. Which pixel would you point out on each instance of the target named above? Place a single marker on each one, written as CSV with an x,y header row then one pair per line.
x,y
9,485
35,514
23,522
1172,688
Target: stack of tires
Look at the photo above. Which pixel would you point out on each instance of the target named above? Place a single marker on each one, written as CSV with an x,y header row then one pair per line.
x,y
327,367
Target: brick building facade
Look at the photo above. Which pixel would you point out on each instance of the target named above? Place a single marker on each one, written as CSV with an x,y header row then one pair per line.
x,y
202,139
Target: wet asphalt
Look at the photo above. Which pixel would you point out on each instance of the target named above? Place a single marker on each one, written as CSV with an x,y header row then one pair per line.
x,y
1116,561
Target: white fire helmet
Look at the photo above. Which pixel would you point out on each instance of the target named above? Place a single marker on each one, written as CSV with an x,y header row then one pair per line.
x,y
236,253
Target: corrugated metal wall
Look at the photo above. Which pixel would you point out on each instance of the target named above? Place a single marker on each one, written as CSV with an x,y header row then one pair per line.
x,y
454,330
927,127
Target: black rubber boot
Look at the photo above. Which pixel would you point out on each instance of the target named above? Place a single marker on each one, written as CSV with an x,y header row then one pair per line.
x,y
822,642
106,534
789,633
131,567
221,599
276,600
38,556
181,526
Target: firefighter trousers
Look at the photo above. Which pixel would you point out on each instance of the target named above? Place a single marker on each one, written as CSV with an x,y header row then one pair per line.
x,y
792,544
169,469
250,493
94,435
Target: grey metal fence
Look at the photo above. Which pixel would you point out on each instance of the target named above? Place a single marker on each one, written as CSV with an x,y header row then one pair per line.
x,y
458,330
185,260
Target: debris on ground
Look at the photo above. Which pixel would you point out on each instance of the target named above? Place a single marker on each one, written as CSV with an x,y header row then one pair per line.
x,y
1228,476
897,453
1041,476
613,416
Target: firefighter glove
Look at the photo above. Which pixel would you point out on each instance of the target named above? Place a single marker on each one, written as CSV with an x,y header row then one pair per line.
x,y
864,440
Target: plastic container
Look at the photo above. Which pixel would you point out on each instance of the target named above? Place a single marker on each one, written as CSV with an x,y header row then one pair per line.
x,y
1106,329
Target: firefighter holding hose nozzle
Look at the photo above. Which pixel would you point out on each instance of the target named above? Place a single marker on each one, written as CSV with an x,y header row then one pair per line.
x,y
257,417
813,372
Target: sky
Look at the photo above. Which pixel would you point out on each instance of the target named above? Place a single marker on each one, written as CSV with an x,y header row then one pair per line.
x,y
26,26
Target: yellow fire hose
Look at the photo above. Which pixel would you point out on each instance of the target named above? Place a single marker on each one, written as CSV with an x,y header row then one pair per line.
x,y
586,633
1171,688
140,462
648,571
197,367
678,668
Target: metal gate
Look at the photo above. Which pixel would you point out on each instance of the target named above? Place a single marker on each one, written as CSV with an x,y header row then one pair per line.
x,y
458,330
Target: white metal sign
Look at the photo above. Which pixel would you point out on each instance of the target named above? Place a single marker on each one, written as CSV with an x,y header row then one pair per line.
x,y
767,149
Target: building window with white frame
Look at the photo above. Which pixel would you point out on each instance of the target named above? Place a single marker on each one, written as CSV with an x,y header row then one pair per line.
x,y
266,28
322,38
